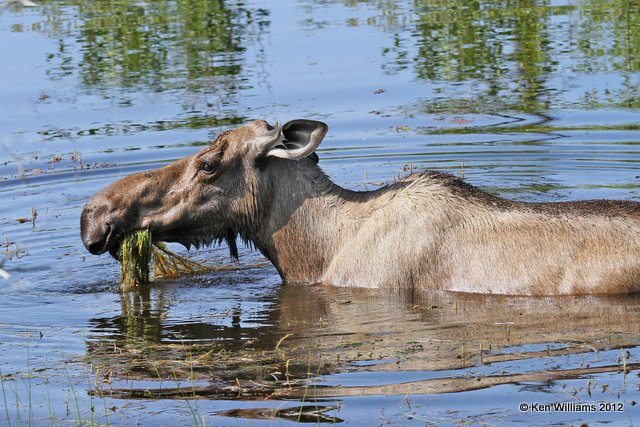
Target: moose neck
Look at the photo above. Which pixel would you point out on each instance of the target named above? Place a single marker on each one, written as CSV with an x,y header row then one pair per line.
x,y
303,218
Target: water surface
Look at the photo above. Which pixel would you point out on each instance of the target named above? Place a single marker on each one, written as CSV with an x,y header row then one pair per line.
x,y
536,101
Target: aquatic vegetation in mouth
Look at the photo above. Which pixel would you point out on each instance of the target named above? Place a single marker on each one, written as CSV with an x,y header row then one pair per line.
x,y
169,264
137,252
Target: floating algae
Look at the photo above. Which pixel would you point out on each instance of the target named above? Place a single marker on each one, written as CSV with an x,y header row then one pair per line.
x,y
138,250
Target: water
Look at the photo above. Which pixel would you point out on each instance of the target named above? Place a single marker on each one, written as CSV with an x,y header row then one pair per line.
x,y
536,101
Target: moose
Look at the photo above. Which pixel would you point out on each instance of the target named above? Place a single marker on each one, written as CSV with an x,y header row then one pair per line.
x,y
429,230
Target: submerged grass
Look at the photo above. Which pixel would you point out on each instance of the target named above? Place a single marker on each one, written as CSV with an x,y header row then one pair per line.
x,y
138,251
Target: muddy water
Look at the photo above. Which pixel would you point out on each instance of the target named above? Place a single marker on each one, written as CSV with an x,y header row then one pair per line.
x,y
534,101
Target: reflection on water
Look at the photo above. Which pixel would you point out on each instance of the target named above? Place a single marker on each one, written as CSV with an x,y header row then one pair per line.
x,y
517,55
190,46
429,343
524,56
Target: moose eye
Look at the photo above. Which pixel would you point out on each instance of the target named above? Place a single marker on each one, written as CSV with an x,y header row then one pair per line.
x,y
208,168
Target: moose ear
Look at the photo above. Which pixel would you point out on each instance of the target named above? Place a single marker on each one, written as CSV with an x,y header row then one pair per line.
x,y
300,139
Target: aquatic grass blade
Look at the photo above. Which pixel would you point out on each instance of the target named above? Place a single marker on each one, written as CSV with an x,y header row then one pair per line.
x,y
138,252
135,256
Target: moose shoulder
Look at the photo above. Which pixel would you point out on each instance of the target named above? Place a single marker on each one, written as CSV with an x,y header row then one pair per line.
x,y
427,231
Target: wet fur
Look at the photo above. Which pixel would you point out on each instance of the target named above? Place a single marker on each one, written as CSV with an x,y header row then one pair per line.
x,y
433,231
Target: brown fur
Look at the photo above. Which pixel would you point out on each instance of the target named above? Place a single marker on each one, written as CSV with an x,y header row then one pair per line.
x,y
429,230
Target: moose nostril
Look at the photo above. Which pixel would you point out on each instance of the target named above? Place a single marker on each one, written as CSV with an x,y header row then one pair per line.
x,y
95,247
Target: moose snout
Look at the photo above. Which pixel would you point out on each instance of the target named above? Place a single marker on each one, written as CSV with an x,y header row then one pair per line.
x,y
104,220
95,228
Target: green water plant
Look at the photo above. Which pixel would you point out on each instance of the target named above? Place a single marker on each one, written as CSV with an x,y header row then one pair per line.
x,y
138,253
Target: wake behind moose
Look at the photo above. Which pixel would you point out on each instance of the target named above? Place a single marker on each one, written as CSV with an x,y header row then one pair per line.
x,y
429,230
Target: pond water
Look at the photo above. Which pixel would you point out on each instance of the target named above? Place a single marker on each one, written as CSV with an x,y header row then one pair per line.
x,y
533,100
